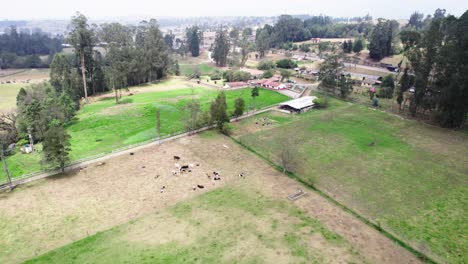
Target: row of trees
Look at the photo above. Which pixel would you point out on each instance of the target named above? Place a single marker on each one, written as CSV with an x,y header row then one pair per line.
x,y
23,49
384,39
437,68
290,29
356,46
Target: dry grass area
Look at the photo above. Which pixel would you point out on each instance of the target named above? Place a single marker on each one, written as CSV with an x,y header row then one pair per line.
x,y
53,212
17,79
24,76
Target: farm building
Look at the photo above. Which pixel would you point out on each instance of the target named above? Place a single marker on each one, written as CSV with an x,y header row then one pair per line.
x,y
299,105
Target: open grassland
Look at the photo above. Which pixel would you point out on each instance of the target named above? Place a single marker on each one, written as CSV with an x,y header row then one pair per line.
x,y
103,126
227,225
410,178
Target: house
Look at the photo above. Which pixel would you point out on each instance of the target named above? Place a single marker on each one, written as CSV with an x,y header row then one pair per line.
x,y
299,105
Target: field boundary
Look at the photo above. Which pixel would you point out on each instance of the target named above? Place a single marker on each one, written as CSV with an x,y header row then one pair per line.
x,y
376,226
30,177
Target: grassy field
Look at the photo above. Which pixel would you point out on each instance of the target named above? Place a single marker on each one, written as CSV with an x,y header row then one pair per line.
x,y
8,94
189,69
227,225
408,177
8,91
104,126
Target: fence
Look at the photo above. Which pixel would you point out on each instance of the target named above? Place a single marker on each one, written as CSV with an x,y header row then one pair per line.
x,y
25,178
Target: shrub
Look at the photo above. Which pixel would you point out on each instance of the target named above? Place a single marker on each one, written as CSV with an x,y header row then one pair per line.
x,y
286,64
266,65
217,75
268,74
386,92
321,102
237,76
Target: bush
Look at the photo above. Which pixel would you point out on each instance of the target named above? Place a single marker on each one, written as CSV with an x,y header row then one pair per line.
x,y
386,92
286,64
217,75
321,102
266,65
236,76
268,74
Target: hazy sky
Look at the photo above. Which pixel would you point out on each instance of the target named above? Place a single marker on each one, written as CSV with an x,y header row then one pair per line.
x,y
97,9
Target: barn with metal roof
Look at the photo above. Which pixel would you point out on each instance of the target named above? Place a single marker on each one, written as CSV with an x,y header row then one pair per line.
x,y
298,105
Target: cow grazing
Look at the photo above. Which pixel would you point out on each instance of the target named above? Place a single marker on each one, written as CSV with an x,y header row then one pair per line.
x,y
200,186
176,158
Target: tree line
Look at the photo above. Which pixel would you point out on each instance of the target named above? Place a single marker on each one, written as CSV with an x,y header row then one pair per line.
x,y
132,56
438,63
22,49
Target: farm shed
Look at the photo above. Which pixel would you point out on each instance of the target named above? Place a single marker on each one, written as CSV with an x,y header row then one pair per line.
x,y
299,105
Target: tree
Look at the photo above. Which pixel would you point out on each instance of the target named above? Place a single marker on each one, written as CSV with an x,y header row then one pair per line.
x,y
285,74
56,146
345,46
193,39
3,157
416,20
246,46
345,85
265,65
350,46
262,42
239,105
81,37
218,111
287,156
330,70
382,40
438,60
221,48
192,112
255,93
406,82
358,45
154,50
388,87
286,64
63,76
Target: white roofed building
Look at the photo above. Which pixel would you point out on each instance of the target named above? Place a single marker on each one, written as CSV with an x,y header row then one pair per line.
x,y
299,105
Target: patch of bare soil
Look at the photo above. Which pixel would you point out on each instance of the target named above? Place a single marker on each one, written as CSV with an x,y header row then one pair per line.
x,y
50,213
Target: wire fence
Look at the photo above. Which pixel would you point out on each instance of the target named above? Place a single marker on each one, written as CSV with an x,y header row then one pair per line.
x,y
4,184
